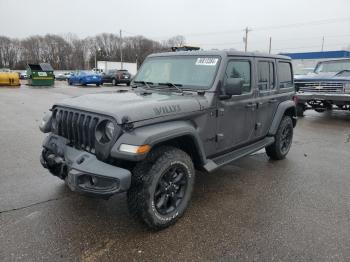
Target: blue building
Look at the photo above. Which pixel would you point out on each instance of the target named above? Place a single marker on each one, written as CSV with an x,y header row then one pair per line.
x,y
306,61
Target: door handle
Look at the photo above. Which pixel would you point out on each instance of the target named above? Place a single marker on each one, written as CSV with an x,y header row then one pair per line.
x,y
271,101
250,105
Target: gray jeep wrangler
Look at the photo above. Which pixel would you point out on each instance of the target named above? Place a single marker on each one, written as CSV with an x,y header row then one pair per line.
x,y
186,111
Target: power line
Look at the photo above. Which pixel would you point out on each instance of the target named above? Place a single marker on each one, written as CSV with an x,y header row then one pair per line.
x,y
311,46
270,27
315,22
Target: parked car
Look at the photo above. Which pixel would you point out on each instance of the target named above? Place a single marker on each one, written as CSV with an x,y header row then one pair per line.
x,y
63,77
187,110
328,85
116,77
23,76
85,78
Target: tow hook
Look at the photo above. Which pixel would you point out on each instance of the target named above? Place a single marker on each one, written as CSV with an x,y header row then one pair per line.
x,y
54,160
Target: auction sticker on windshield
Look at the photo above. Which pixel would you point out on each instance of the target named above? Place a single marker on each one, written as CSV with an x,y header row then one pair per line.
x,y
207,61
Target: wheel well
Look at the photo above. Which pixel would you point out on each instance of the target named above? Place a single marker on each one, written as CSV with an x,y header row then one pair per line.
x,y
188,145
292,114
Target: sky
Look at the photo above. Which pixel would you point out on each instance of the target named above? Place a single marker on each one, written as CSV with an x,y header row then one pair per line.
x,y
293,25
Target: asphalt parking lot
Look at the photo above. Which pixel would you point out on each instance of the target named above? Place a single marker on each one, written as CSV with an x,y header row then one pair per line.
x,y
297,209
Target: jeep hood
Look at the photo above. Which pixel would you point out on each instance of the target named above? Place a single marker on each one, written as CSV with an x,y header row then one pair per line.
x,y
135,105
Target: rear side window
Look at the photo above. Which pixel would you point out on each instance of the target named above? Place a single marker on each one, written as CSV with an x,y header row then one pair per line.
x,y
285,74
240,69
266,75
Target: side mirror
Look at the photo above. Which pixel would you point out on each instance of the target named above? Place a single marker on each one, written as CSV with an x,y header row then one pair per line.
x,y
233,86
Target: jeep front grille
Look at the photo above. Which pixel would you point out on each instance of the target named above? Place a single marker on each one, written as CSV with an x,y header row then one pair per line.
x,y
320,87
78,127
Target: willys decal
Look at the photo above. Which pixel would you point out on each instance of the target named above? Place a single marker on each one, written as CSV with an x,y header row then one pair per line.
x,y
163,110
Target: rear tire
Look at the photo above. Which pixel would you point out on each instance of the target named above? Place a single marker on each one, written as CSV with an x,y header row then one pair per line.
x,y
283,140
128,84
161,187
97,85
114,82
320,110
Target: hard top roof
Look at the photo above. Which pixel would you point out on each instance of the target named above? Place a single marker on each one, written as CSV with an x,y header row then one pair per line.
x,y
221,53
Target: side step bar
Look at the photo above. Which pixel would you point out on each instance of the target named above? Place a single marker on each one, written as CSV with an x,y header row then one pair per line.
x,y
224,159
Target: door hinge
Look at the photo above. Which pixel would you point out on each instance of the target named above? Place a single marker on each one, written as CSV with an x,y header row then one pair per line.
x,y
219,137
220,112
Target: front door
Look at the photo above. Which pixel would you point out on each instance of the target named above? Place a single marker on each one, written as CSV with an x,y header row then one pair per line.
x,y
267,92
237,114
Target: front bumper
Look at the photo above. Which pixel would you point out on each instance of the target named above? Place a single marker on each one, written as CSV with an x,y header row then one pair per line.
x,y
93,81
308,96
82,171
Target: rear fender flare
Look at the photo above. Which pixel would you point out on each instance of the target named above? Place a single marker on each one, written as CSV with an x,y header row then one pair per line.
x,y
286,106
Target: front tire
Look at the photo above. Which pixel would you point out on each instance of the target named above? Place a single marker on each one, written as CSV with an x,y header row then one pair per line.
x,y
283,140
114,82
161,187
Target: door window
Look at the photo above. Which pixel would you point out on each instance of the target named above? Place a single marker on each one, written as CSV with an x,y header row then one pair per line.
x,y
285,74
240,69
266,76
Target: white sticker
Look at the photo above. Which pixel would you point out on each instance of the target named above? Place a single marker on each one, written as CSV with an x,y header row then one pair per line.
x,y
42,74
207,61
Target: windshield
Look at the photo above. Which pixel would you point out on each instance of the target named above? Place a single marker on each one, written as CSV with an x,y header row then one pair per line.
x,y
333,66
196,72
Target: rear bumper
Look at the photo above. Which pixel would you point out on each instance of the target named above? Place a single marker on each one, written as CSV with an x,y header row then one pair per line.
x,y
82,171
305,97
123,81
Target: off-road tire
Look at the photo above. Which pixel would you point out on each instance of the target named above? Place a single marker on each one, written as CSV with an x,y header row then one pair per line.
x,y
300,110
145,178
276,151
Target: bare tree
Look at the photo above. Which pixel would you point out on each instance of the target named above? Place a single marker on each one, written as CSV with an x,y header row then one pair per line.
x,y
71,52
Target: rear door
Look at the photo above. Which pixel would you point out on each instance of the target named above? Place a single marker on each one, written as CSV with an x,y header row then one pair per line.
x,y
266,95
236,115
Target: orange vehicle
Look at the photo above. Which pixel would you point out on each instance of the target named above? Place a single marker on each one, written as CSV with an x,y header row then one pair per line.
x,y
8,78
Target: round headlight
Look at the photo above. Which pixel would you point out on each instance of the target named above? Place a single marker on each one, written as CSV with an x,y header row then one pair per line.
x,y
109,131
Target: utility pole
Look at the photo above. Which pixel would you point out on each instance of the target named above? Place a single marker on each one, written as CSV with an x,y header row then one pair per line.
x,y
322,44
121,48
270,45
95,58
245,39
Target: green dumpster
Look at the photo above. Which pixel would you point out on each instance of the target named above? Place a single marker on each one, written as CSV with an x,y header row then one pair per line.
x,y
40,74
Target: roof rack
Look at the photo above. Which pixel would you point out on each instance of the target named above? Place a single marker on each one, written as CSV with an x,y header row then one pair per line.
x,y
185,48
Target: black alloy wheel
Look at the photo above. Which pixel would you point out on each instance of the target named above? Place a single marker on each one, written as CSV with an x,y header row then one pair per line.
x,y
170,189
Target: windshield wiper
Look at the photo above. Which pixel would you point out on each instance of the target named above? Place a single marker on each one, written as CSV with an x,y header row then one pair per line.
x,y
145,83
177,86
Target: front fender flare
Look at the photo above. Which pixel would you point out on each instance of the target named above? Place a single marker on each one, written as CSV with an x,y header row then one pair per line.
x,y
155,134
